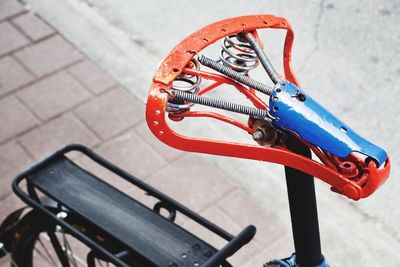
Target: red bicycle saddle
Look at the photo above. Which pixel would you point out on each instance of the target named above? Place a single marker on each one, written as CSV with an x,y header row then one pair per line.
x,y
350,164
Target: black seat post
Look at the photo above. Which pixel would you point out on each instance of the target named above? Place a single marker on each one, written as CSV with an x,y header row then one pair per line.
x,y
303,210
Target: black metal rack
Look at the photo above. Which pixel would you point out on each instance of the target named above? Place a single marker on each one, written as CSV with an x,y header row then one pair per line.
x,y
141,232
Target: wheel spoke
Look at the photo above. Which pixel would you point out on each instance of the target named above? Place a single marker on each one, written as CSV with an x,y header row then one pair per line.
x,y
99,262
46,251
62,256
68,250
13,264
46,255
77,260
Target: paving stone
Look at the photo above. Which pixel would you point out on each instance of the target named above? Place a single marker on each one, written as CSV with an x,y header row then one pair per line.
x,y
14,118
33,26
13,160
218,217
192,181
92,77
42,262
111,113
246,252
131,154
14,38
9,204
55,134
5,261
279,249
9,8
12,75
245,210
169,153
48,56
53,95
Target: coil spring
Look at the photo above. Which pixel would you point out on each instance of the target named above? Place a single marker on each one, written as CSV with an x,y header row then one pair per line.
x,y
220,104
237,76
184,83
237,53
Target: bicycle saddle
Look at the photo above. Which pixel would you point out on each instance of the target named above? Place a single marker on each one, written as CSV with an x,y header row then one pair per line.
x,y
349,163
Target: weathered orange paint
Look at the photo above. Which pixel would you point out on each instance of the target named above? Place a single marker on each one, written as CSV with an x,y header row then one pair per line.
x,y
175,63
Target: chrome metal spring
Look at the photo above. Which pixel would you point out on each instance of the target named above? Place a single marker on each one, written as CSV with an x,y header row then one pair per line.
x,y
185,83
237,76
219,104
237,54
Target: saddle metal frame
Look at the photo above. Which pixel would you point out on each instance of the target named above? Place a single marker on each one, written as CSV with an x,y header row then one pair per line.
x,y
176,63
300,168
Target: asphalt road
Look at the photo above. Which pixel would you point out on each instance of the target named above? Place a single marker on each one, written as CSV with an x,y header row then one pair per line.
x,y
345,55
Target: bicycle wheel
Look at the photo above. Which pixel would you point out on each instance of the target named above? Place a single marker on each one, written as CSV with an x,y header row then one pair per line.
x,y
33,245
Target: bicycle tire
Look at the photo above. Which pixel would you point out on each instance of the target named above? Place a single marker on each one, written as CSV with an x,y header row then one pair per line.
x,y
27,236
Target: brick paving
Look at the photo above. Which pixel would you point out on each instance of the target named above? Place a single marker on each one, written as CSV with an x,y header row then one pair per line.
x,y
33,27
107,119
52,95
91,77
14,40
15,118
48,56
12,75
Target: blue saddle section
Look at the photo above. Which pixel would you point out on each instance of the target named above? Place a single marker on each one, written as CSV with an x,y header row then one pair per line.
x,y
291,262
294,110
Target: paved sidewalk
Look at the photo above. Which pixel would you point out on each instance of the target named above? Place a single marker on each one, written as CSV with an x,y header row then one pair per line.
x,y
52,95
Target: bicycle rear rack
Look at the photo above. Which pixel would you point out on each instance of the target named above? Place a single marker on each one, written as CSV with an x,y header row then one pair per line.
x,y
141,233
